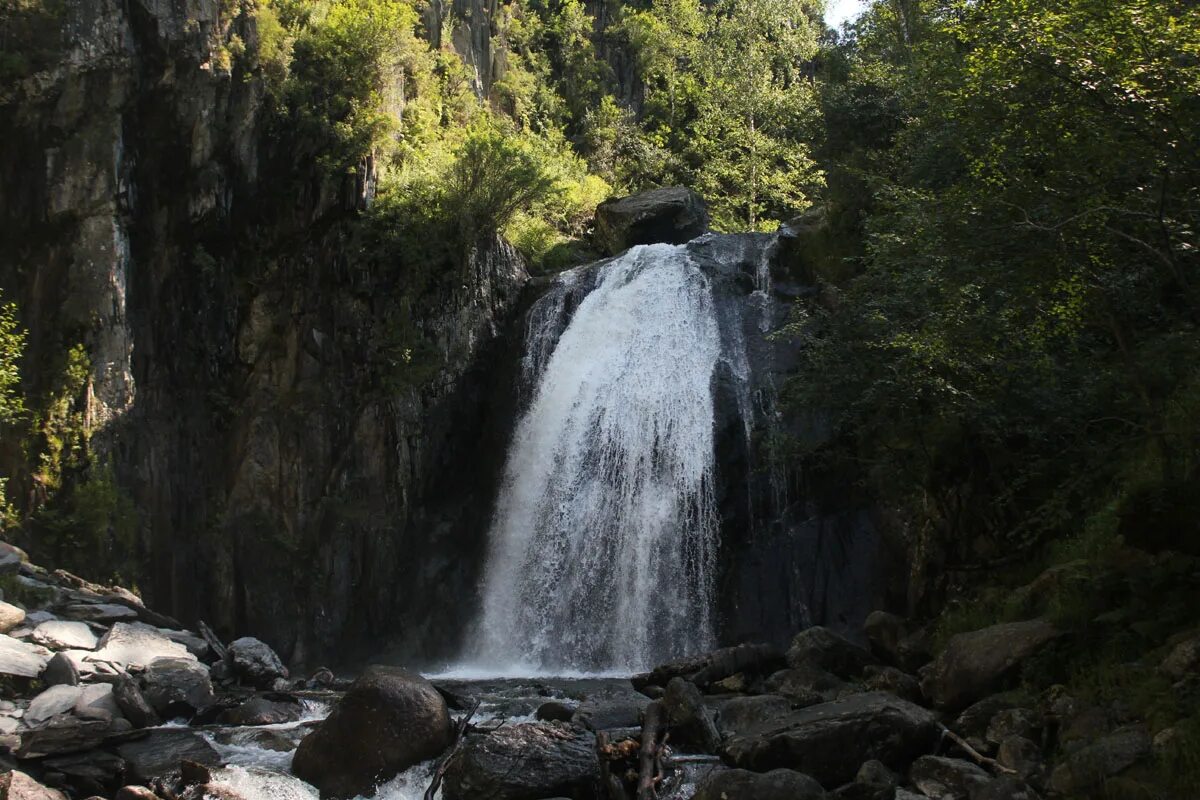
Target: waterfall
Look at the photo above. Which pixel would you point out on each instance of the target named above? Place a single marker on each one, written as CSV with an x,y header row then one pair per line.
x,y
603,543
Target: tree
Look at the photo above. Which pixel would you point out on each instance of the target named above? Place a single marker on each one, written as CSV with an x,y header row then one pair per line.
x,y
756,110
12,343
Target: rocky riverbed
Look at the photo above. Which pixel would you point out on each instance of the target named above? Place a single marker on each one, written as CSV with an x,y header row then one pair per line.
x,y
103,697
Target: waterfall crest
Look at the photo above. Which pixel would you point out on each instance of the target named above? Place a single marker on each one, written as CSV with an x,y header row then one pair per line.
x,y
603,543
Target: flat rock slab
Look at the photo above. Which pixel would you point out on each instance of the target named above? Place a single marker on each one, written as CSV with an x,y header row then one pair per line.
x,y
21,659
830,741
65,635
96,701
138,645
106,613
160,752
10,617
537,759
52,702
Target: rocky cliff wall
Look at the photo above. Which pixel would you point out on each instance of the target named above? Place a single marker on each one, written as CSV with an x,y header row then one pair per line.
x,y
232,377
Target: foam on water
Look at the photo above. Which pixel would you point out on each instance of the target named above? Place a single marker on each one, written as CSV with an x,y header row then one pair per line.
x,y
603,542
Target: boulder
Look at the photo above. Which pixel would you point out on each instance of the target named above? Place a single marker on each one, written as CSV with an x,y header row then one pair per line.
x,y
10,616
53,701
607,713
673,215
974,720
11,559
877,773
196,645
1012,722
1183,660
884,632
94,772
947,778
161,751
778,784
176,687
1019,754
135,793
16,785
1085,770
690,720
388,721
822,648
261,711
805,685
739,714
255,662
136,644
129,698
64,635
555,711
896,681
60,671
1005,788
531,760
62,734
20,659
830,741
103,613
975,664
96,701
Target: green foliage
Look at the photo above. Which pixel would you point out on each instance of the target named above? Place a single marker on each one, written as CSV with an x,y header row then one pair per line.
x,y
30,37
12,343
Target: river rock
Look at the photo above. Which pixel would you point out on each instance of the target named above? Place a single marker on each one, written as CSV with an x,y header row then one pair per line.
x,y
196,645
261,711
739,714
94,772
830,741
806,685
55,700
135,793
64,733
1019,754
555,711
1012,722
673,215
884,632
778,784
177,687
160,752
1086,769
891,679
65,635
690,720
60,671
136,644
10,616
1183,660
255,662
947,778
388,721
16,785
104,613
129,698
975,664
11,559
1005,788
822,648
21,659
96,701
531,760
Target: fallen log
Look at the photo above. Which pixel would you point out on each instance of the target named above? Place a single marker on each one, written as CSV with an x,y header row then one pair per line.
x,y
649,760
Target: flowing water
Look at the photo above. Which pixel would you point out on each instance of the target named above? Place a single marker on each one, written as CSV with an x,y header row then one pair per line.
x,y
603,542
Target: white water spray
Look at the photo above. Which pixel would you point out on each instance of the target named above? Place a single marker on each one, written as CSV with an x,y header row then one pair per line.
x,y
604,539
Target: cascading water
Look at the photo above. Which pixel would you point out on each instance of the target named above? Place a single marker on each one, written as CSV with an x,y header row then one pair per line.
x,y
604,538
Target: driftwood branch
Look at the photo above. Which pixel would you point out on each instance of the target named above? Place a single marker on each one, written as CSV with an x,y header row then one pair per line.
x,y
649,761
975,755
444,763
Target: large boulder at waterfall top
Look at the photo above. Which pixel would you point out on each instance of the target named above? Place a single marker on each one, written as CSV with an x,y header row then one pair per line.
x,y
389,720
975,664
521,762
673,215
740,784
830,741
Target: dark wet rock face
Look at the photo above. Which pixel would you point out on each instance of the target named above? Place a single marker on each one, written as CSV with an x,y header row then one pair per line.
x,y
389,721
740,784
523,762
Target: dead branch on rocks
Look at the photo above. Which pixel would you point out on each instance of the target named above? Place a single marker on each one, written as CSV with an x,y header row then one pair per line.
x,y
976,756
444,762
650,760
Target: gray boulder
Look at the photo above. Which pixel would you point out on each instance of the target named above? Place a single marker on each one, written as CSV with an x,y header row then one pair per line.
x,y
830,741
96,701
778,784
22,660
519,762
64,635
673,215
261,711
255,662
822,648
388,721
136,644
177,687
16,785
129,698
60,671
885,631
160,753
104,613
947,778
975,664
53,701
555,711
690,720
739,714
1085,770
1183,660
10,616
